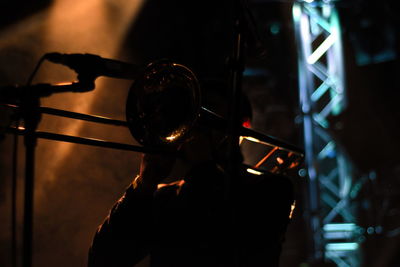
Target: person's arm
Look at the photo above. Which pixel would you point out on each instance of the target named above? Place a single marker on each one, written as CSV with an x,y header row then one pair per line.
x,y
123,239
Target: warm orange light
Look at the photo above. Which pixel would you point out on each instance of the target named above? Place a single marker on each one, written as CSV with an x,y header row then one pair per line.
x,y
252,139
64,83
266,157
279,160
178,183
171,138
252,171
175,134
293,165
241,138
292,207
73,26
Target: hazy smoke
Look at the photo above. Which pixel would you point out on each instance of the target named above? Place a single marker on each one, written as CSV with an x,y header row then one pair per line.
x,y
75,184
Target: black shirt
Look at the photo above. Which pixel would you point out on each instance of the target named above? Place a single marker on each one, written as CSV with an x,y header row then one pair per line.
x,y
192,222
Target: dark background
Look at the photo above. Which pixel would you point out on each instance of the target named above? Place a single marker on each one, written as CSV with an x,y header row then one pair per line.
x,y
76,185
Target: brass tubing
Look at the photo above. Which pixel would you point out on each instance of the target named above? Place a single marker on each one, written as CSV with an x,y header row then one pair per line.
x,y
89,141
81,116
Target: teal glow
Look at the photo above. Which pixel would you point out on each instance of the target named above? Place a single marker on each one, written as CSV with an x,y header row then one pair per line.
x,y
255,72
321,50
335,235
302,172
320,91
329,200
327,151
326,11
341,246
275,28
317,18
339,227
340,74
338,208
337,103
296,11
321,120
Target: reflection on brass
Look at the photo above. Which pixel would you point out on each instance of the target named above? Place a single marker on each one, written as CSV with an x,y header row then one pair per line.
x,y
279,160
271,158
294,165
252,171
292,207
175,135
252,139
241,138
163,104
266,157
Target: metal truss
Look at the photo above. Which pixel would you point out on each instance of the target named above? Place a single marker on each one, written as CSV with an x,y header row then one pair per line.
x,y
331,187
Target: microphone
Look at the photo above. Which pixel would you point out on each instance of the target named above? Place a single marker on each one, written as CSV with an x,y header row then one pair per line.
x,y
89,66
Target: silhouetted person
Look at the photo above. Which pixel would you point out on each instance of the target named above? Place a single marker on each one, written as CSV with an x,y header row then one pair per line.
x,y
179,212
184,211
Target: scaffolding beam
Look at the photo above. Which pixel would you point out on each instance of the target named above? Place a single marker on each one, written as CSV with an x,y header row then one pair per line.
x,y
330,210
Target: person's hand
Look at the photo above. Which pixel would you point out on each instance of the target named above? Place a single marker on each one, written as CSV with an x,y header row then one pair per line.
x,y
153,169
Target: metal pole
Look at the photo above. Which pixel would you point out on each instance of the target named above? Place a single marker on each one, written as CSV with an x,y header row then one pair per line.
x,y
31,116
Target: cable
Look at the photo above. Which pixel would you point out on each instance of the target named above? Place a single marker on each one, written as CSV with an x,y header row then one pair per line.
x,y
35,70
14,200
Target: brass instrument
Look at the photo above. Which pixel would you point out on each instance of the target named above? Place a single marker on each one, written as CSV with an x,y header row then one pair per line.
x,y
163,105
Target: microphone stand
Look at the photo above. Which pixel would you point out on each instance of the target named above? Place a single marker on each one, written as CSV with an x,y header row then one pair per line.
x,y
31,117
237,67
237,64
28,98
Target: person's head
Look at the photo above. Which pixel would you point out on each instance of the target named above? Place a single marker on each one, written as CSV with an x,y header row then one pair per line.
x,y
205,141
216,96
